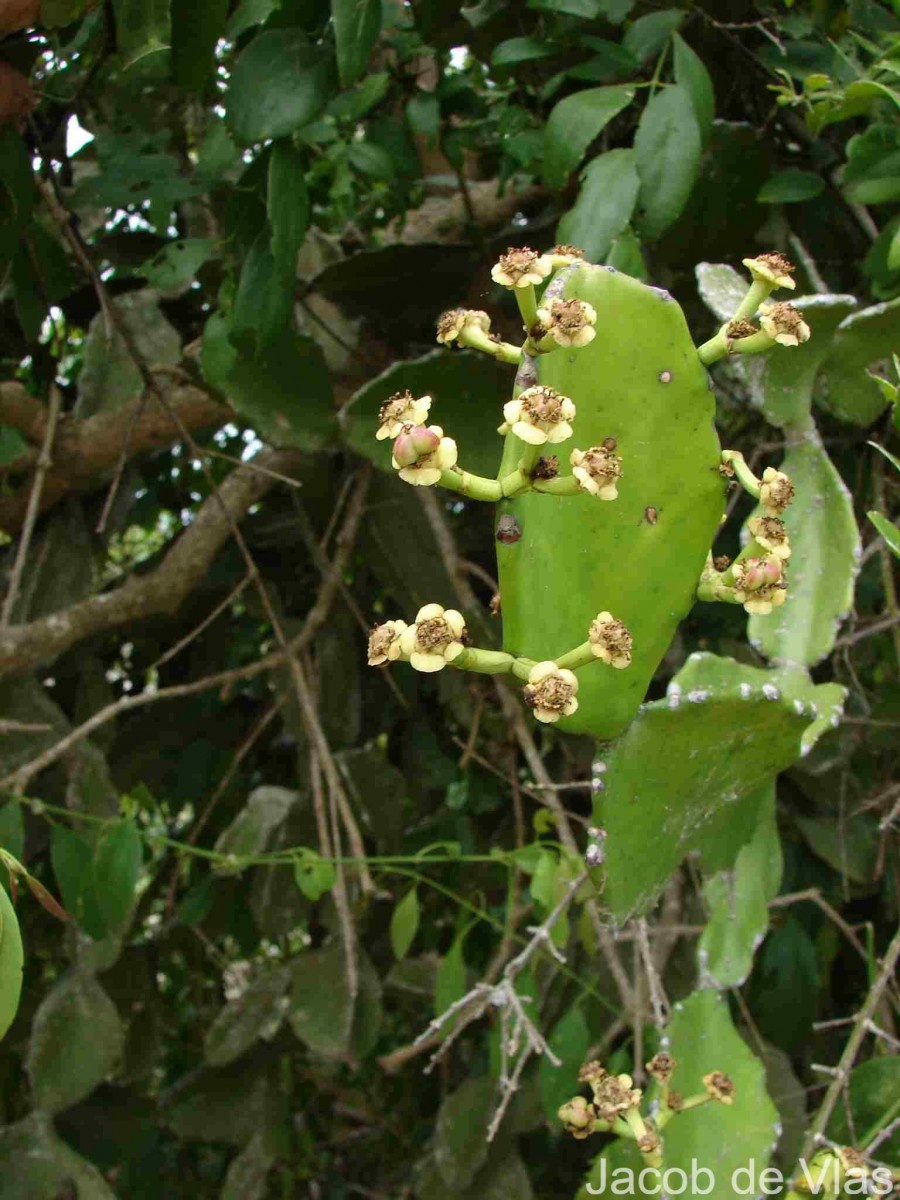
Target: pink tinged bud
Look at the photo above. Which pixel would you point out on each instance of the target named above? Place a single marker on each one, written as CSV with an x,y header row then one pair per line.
x,y
753,575
405,452
771,570
414,443
423,440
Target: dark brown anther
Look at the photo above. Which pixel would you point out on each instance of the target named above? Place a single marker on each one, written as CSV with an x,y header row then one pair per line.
x,y
610,444
651,515
508,530
546,468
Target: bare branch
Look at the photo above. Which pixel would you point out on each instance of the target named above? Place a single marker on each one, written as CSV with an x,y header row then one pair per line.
x,y
86,452
32,508
848,1058
159,591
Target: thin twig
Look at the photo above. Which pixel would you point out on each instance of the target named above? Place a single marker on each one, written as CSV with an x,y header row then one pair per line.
x,y
848,1058
44,463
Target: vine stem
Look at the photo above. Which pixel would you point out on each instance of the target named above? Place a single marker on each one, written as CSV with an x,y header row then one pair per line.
x,y
847,1059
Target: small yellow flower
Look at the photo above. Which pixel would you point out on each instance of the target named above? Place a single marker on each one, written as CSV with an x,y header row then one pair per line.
x,y
539,414
771,534
452,323
784,324
401,409
384,642
563,255
592,1072
853,1162
772,268
764,599
597,471
437,638
616,1094
754,574
719,1087
649,1142
578,1117
610,640
661,1066
426,470
551,691
569,322
776,492
522,267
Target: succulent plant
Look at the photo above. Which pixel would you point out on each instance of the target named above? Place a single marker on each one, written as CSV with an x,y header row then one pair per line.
x,y
610,489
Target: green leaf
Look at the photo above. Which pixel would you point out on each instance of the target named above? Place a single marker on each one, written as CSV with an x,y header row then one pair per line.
x,y
570,1042
175,266
574,123
220,1104
256,1013
692,75
248,1171
826,547
791,187
12,444
357,24
450,982
888,531
872,173
606,199
782,384
76,1040
871,1096
690,761
850,845
322,1012
460,1146
285,393
56,13
12,828
34,1162
738,902
464,387
721,288
73,866
249,833
405,923
782,991
321,1008
247,14
11,962
572,8
648,35
288,207
521,49
861,340
264,303
118,858
142,28
279,84
313,874
197,26
109,380
625,254
667,145
423,112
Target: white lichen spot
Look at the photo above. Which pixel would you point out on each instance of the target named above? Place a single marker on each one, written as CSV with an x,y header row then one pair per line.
x,y
770,691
